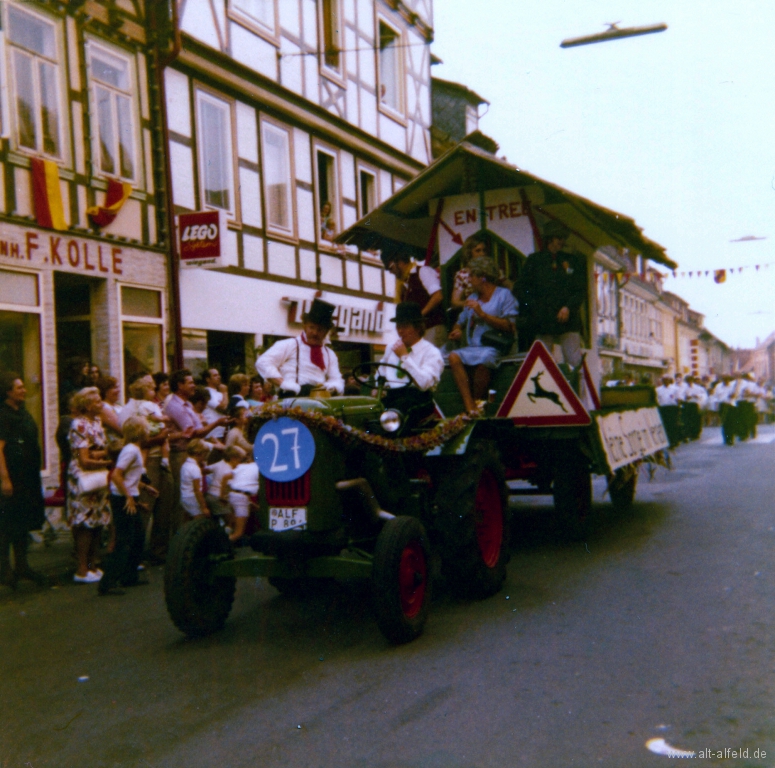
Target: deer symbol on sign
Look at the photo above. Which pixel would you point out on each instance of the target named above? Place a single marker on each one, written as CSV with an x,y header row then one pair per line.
x,y
541,392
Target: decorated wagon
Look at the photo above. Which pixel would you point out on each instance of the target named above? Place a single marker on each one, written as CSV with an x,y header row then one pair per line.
x,y
351,489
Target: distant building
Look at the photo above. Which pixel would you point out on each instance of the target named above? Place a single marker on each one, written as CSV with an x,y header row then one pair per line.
x,y
455,114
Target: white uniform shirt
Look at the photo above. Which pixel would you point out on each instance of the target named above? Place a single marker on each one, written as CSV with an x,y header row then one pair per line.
x,y
218,472
696,394
290,361
424,362
428,277
666,394
723,393
210,414
681,388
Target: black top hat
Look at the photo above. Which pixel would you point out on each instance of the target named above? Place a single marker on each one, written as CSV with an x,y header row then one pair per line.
x,y
321,313
408,312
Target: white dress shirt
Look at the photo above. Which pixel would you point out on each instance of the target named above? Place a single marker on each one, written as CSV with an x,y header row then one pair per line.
x,y
696,394
290,361
666,394
423,361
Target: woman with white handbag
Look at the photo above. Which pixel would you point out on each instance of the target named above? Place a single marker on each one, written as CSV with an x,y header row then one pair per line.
x,y
88,504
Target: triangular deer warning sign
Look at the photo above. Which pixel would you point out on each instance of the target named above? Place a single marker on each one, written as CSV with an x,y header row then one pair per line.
x,y
540,396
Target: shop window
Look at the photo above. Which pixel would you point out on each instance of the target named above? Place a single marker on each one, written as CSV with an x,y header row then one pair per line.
x,y
112,103
328,195
332,34
276,156
34,62
20,342
390,68
142,330
367,189
216,159
256,15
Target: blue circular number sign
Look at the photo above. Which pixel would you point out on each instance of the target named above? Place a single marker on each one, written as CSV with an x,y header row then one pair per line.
x,y
284,449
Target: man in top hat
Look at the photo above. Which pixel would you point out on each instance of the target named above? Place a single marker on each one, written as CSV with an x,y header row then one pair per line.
x,y
552,288
297,366
415,355
421,285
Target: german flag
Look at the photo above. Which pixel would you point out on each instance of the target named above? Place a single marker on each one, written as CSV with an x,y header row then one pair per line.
x,y
115,197
47,195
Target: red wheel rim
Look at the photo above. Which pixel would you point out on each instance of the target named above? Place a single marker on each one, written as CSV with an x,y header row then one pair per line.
x,y
412,574
489,519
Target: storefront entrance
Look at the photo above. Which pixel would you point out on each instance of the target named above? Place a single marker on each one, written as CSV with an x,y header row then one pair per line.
x,y
73,315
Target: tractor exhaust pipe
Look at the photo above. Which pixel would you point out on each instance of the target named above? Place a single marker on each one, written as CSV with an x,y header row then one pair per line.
x,y
361,485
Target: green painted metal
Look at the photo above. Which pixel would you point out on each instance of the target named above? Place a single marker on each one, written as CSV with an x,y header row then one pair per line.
x,y
347,566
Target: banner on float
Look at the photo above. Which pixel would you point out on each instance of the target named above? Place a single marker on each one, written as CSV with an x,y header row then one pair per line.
x,y
628,436
505,215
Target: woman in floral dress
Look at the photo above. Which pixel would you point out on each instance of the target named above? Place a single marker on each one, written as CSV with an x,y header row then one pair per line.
x,y
87,513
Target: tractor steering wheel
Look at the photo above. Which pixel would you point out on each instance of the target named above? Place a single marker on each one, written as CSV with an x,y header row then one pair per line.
x,y
378,382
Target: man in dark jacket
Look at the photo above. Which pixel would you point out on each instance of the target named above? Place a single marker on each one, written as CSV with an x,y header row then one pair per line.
x,y
21,495
553,286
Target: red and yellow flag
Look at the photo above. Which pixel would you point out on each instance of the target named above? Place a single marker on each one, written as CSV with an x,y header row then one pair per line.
x,y
115,197
720,275
47,195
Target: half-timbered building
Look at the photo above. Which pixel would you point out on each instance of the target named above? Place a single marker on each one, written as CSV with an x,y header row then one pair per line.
x,y
293,118
83,266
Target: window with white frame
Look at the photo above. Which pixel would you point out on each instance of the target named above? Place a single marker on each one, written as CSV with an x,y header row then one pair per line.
x,y
33,48
142,331
20,340
261,12
330,11
112,83
328,194
276,156
390,68
216,158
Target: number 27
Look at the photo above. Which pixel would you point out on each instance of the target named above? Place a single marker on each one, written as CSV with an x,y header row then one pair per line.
x,y
276,441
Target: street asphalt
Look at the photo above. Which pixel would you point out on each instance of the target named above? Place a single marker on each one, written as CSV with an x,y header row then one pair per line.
x,y
656,632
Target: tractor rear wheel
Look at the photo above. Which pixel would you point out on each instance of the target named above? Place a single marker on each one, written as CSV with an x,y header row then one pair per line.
x,y
474,522
197,601
400,583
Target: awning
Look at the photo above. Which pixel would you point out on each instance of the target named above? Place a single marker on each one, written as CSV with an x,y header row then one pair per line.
x,y
405,219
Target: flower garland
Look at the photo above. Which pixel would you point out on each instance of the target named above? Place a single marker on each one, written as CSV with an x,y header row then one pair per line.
x,y
444,431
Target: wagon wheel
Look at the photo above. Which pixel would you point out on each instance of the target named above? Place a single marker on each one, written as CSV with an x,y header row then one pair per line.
x,y
572,491
198,602
621,488
400,584
473,521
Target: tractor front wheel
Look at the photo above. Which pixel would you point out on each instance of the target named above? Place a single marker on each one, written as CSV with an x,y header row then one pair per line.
x,y
400,581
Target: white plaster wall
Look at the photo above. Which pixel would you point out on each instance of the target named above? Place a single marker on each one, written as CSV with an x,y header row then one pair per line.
x,y
311,80
198,21
291,65
308,265
247,133
253,51
229,249
366,17
253,252
301,156
178,102
250,197
353,274
289,16
305,207
330,269
309,23
368,102
372,279
353,109
385,186
392,132
349,215
349,10
282,259
347,165
182,165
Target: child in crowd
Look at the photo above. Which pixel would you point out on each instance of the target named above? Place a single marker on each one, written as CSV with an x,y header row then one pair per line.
x,y
125,486
222,472
243,487
191,484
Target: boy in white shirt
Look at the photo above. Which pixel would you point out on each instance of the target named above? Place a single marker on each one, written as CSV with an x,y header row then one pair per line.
x,y
191,496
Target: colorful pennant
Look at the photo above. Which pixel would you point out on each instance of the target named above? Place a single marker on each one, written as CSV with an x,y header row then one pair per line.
x,y
117,194
46,193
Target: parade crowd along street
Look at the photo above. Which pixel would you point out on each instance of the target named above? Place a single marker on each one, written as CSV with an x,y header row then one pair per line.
x,y
133,473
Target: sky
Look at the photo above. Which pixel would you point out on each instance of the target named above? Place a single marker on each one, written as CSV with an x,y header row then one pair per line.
x,y
675,130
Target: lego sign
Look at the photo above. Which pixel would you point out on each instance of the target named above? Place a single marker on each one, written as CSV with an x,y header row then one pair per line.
x,y
199,238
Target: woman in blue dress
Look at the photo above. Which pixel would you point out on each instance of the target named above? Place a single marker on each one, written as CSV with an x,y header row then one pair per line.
x,y
488,308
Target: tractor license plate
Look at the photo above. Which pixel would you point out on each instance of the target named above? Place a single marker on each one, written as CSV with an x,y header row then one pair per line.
x,y
287,518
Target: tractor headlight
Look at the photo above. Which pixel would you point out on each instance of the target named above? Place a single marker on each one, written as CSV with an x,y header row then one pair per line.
x,y
390,420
